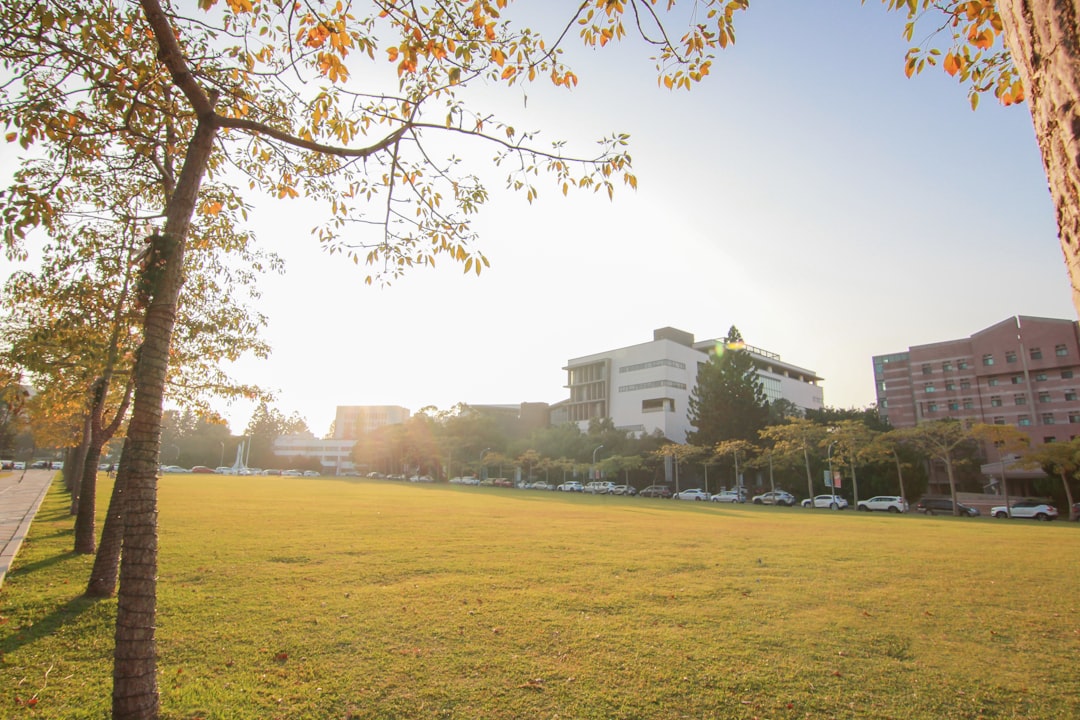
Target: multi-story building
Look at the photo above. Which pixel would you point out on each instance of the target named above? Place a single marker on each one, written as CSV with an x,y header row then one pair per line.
x,y
1023,371
353,421
644,388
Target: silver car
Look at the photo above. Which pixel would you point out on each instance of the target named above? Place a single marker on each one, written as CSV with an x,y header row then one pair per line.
x,y
885,503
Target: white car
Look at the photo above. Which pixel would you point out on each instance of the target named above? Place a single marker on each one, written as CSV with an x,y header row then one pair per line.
x,y
600,487
692,494
778,497
885,503
728,496
571,486
833,502
1026,509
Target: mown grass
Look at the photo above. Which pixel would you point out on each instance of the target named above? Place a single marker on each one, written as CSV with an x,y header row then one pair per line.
x,y
299,598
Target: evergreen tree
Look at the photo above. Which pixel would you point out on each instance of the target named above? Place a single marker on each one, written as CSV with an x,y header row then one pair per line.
x,y
728,402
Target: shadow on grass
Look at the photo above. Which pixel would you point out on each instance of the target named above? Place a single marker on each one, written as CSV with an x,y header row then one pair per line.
x,y
61,616
44,562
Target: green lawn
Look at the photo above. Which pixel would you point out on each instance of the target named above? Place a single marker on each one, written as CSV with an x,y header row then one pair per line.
x,y
316,598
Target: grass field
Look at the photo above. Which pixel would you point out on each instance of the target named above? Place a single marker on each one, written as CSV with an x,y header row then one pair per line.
x,y
301,598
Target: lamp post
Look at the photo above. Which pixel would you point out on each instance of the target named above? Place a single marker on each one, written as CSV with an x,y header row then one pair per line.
x,y
592,473
483,475
221,462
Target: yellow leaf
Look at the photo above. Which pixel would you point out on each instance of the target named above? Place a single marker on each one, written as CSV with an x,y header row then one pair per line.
x,y
952,64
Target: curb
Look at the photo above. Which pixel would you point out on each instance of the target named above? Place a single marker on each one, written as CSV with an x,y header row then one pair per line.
x,y
19,504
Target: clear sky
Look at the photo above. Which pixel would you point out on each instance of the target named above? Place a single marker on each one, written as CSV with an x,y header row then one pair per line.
x,y
807,193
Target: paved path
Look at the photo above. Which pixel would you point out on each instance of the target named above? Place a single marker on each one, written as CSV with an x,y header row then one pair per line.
x,y
21,494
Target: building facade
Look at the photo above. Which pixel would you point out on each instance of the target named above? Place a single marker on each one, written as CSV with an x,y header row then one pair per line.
x,y
646,388
353,421
1023,371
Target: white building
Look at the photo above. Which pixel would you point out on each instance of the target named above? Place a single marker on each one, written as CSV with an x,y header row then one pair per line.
x,y
334,456
644,388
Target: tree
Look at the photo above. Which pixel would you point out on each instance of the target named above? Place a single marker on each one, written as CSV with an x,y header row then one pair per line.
x,y
940,440
265,426
728,401
1039,62
735,448
795,439
1061,459
853,439
1005,439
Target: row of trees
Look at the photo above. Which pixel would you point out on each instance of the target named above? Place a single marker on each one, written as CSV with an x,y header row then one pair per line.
x,y
134,117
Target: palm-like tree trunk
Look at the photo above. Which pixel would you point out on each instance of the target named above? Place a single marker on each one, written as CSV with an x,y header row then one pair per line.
x,y
1044,39
135,693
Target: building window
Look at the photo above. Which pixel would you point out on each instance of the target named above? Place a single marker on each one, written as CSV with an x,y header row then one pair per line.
x,y
992,382
1074,418
1017,379
950,386
1010,356
988,359
961,364
969,405
1024,421
931,408
929,388
1036,353
1041,377
885,403
1061,351
1070,395
926,370
1044,397
995,401
1020,399
965,384
946,366
1066,374
999,420
1048,418
954,405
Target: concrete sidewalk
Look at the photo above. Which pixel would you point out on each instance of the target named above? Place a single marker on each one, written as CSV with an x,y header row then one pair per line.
x,y
21,493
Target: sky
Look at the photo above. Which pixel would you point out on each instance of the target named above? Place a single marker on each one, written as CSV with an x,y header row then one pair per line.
x,y
807,193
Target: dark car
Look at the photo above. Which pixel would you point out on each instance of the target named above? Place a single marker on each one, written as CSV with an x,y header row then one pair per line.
x,y
659,491
943,506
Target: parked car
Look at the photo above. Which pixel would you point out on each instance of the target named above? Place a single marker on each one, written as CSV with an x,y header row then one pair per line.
x,y
600,487
885,503
203,470
692,494
624,490
18,465
311,473
1036,509
728,496
290,473
658,491
542,485
778,497
569,486
173,469
944,506
833,502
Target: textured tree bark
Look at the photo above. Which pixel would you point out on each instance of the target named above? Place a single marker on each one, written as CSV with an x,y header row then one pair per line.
x,y
102,581
1044,39
135,692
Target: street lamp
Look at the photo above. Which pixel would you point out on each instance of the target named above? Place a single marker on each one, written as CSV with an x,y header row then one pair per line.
x,y
593,472
483,474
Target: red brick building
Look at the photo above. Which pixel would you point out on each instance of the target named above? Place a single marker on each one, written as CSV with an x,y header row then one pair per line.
x,y
1023,371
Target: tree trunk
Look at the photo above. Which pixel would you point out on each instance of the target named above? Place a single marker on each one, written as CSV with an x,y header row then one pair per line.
x,y
85,531
135,692
1044,39
1068,494
855,485
900,477
809,477
78,466
952,486
102,582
